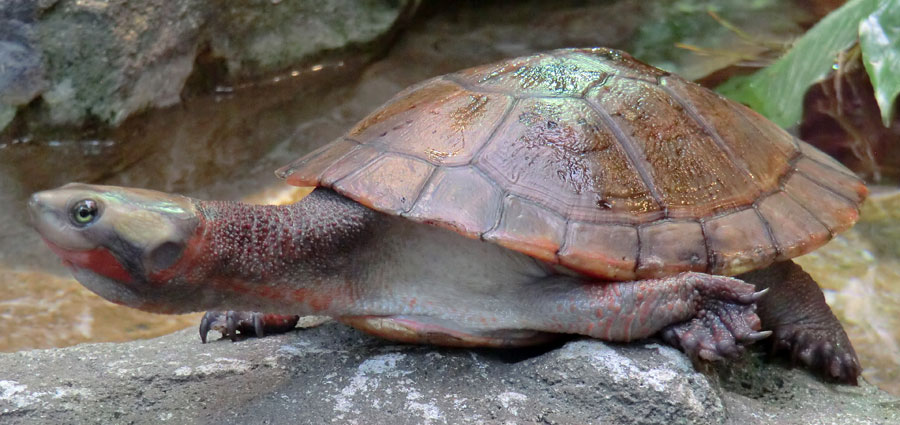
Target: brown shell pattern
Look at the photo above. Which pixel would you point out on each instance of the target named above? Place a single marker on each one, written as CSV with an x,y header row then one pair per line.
x,y
593,160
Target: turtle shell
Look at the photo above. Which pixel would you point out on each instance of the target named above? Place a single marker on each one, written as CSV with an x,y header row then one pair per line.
x,y
593,160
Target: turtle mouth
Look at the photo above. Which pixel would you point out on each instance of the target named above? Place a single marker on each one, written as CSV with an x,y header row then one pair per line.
x,y
60,252
110,289
98,260
100,272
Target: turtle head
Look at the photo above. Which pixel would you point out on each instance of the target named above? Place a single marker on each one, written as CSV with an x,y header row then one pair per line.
x,y
117,241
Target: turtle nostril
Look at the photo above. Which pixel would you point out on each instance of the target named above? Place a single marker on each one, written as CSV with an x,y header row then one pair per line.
x,y
35,205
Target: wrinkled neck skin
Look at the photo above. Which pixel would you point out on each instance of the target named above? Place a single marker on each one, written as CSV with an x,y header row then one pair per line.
x,y
296,259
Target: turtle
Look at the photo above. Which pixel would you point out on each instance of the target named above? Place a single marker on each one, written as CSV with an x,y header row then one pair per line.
x,y
575,191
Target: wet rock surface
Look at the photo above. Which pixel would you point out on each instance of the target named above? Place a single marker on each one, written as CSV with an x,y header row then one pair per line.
x,y
334,374
22,73
105,60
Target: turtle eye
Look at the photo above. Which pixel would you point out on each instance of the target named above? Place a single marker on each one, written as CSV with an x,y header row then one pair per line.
x,y
84,212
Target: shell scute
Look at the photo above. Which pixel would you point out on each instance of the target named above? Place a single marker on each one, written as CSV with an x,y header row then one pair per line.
x,y
459,198
671,247
836,181
739,242
557,153
738,129
353,161
390,183
691,174
307,170
449,123
608,250
831,209
795,230
529,228
538,75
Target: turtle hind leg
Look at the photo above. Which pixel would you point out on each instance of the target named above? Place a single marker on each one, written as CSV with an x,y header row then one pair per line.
x,y
803,324
230,323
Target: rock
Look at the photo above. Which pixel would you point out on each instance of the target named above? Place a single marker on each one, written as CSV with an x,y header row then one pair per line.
x,y
334,374
21,63
263,35
105,60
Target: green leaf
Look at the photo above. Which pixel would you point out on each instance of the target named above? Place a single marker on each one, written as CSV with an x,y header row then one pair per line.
x,y
777,91
879,38
668,23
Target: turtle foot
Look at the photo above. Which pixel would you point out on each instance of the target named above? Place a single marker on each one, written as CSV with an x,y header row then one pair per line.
x,y
804,326
819,348
721,328
230,323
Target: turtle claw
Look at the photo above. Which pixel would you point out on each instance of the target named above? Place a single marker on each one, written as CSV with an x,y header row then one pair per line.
x,y
204,327
758,336
258,325
753,297
230,323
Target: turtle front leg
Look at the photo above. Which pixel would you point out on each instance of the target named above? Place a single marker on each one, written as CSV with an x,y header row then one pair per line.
x,y
804,326
229,323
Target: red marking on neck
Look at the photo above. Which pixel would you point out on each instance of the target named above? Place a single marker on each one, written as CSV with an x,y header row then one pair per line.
x,y
98,260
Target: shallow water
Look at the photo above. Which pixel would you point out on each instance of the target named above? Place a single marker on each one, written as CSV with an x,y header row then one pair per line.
x,y
225,145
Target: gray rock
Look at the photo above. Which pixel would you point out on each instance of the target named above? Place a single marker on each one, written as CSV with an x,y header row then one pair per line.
x,y
258,36
21,63
106,60
21,67
333,374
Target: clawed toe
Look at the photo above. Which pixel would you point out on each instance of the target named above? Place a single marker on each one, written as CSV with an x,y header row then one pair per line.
x,y
231,323
720,329
704,338
696,341
845,368
814,349
206,324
